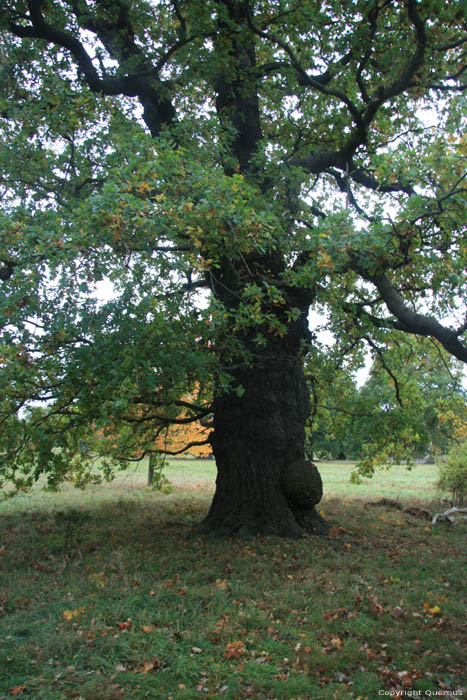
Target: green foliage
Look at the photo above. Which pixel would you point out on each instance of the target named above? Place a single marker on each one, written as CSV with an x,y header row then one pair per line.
x,y
453,474
404,411
222,167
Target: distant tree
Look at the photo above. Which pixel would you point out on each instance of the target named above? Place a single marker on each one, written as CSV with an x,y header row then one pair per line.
x,y
190,438
227,164
412,405
336,410
413,388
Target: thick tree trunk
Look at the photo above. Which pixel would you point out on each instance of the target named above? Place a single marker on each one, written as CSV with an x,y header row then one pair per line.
x,y
257,439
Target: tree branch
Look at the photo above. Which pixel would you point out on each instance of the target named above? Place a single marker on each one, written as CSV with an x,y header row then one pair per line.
x,y
8,269
319,83
356,414
195,443
40,29
368,181
387,369
343,184
405,80
143,83
342,159
413,322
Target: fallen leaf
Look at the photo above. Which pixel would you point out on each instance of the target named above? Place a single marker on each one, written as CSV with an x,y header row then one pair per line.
x,y
234,650
435,610
155,665
405,679
70,614
18,689
124,625
337,643
148,666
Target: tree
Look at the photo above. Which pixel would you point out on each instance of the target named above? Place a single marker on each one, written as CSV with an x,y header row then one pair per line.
x,y
227,164
411,405
414,389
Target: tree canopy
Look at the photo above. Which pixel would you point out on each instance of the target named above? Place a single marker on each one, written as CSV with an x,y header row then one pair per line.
x,y
227,165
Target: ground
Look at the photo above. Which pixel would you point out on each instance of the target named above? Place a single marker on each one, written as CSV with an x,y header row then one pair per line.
x,y
109,594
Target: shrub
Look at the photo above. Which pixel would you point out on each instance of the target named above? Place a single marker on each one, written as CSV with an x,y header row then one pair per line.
x,y
453,474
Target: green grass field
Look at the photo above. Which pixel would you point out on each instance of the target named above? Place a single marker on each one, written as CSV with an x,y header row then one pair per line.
x,y
397,483
110,594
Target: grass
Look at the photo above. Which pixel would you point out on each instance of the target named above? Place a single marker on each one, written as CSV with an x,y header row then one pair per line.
x,y
110,594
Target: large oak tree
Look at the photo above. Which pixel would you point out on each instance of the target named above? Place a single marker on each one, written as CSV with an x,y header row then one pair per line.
x,y
227,165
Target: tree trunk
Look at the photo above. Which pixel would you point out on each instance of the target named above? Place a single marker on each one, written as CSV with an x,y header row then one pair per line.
x,y
257,439
151,470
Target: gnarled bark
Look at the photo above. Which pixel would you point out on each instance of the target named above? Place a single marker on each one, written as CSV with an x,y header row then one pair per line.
x,y
258,443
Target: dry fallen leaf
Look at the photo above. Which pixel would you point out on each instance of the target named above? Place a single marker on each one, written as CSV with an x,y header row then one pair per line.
x,y
124,625
405,679
70,614
435,610
155,665
337,643
234,650
148,666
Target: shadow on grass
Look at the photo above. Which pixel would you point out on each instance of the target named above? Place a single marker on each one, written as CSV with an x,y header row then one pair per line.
x,y
119,599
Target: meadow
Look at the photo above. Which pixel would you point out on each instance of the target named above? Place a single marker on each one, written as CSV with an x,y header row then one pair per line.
x,y
111,593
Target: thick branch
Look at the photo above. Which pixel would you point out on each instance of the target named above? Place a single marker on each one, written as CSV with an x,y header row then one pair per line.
x,y
237,102
142,83
40,29
418,324
368,181
406,78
